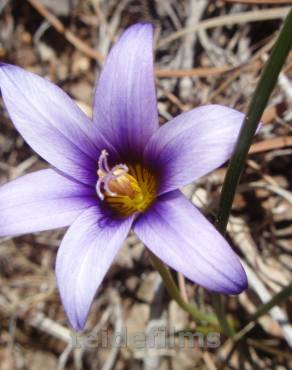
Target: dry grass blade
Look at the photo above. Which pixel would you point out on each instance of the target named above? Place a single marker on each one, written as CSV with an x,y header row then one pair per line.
x,y
260,2
227,20
270,144
69,36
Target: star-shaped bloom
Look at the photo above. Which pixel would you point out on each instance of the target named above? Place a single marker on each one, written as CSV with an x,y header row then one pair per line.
x,y
116,172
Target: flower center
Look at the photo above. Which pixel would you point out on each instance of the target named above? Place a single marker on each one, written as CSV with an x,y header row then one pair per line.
x,y
125,188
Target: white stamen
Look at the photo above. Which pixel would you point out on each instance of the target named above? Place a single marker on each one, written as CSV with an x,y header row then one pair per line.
x,y
106,175
102,161
106,179
98,189
122,167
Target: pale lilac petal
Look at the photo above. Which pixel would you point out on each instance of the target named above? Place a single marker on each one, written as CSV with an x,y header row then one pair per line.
x,y
125,107
179,235
41,200
51,123
85,255
193,144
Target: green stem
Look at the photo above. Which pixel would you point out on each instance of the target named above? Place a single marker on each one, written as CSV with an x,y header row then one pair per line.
x,y
275,301
174,293
279,298
218,304
256,108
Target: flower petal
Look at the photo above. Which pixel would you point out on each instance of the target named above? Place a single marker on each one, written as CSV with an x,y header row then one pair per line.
x,y
41,200
193,144
51,123
179,235
83,259
125,107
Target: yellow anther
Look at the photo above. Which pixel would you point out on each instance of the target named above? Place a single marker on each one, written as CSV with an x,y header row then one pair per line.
x,y
126,189
124,184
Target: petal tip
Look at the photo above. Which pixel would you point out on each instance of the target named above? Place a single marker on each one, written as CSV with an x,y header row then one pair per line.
x,y
239,283
77,324
243,282
143,30
140,26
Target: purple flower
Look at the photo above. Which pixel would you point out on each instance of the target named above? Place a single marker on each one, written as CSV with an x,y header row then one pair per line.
x,y
120,171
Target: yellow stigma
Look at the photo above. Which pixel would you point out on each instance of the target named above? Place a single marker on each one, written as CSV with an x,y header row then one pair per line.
x,y
126,189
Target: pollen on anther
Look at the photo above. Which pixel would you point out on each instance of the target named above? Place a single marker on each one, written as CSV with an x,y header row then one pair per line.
x,y
125,189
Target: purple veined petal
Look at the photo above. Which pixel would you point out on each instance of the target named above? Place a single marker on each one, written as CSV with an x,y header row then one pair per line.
x,y
193,144
41,200
51,123
175,231
125,106
85,255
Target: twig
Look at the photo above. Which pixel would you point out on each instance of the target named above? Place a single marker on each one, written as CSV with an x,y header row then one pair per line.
x,y
118,328
269,349
69,36
238,18
209,361
270,144
157,319
254,64
195,72
195,11
275,189
174,293
263,2
204,71
275,300
286,86
64,356
238,231
49,326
